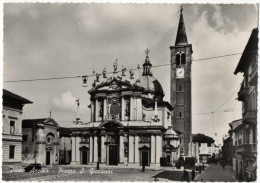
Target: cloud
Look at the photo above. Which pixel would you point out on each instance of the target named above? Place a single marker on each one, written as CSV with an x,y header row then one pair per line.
x,y
67,103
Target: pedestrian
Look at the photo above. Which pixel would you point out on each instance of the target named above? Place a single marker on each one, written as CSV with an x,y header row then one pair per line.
x,y
200,168
143,165
192,175
203,167
97,165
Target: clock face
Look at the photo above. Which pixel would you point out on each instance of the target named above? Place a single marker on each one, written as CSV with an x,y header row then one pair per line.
x,y
180,73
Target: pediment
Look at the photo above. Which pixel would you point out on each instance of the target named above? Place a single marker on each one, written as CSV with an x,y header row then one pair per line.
x,y
112,84
50,122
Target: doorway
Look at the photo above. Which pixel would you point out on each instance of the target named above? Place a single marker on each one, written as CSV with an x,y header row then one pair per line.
x,y
145,158
48,157
113,155
84,157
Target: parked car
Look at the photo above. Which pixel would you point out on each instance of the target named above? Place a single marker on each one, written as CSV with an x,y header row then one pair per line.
x,y
33,167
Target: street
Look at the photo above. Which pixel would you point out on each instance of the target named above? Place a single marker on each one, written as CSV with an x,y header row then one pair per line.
x,y
215,173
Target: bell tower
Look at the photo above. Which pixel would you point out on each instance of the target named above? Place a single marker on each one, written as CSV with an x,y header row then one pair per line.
x,y
181,86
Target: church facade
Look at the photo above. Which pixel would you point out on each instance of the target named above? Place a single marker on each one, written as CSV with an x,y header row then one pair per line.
x,y
130,124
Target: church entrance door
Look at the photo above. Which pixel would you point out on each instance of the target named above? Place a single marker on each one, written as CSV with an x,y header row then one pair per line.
x,y
48,157
113,155
145,156
84,156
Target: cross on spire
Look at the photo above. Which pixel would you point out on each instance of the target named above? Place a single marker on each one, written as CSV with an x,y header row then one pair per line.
x,y
50,113
147,51
181,9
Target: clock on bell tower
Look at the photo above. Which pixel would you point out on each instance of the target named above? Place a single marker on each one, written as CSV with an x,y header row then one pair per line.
x,y
181,86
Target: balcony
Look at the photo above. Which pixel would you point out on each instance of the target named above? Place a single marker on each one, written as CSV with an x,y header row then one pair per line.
x,y
246,148
250,116
242,94
252,79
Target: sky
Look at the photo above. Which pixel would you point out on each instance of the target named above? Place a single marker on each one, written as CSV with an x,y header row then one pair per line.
x,y
58,39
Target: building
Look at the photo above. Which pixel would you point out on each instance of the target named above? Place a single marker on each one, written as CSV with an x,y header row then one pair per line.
x,y
181,86
171,146
246,148
12,127
128,123
202,147
227,150
65,143
40,141
237,139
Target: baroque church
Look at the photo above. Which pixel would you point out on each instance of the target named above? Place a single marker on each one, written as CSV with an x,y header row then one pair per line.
x,y
130,123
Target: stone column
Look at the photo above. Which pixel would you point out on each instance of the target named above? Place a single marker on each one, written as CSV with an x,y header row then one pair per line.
x,y
77,149
152,149
132,113
92,111
103,149
123,108
91,149
104,108
121,150
95,149
158,148
73,149
136,150
131,149
97,110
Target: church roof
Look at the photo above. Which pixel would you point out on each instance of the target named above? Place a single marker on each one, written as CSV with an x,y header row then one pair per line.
x,y
28,123
147,81
181,38
150,84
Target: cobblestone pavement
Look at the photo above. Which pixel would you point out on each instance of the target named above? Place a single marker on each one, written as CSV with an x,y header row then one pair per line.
x,y
215,173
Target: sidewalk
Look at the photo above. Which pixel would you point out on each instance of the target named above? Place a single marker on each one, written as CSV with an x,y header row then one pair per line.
x,y
215,173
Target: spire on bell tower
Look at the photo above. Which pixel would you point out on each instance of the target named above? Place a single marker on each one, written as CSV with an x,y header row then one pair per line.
x,y
147,65
181,38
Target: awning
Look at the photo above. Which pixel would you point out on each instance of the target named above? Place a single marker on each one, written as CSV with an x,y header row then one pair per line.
x,y
251,168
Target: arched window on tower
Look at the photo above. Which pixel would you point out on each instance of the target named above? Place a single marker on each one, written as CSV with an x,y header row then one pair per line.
x,y
183,59
178,59
180,114
180,88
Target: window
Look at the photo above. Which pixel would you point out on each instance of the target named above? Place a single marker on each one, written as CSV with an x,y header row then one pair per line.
x,y
209,144
11,152
180,114
183,59
100,108
178,59
127,106
25,138
168,115
199,144
48,139
180,88
12,127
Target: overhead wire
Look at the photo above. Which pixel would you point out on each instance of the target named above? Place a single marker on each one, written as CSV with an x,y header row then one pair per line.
x,y
80,76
